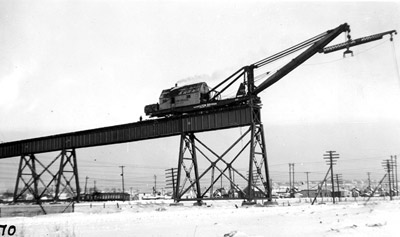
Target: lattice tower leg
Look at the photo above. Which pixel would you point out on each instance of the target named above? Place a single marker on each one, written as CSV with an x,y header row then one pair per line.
x,y
27,164
188,164
38,178
65,176
258,166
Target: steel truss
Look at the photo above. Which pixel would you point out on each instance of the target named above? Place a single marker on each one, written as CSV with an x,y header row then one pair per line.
x,y
193,185
38,180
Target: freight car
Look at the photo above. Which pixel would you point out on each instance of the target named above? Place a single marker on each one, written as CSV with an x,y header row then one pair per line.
x,y
97,196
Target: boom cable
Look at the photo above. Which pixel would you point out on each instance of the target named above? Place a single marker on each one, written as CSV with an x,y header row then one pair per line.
x,y
288,51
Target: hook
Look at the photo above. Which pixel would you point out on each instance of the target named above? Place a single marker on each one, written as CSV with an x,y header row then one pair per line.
x,y
348,51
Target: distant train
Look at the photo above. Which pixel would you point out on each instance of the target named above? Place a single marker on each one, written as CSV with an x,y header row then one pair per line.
x,y
188,98
97,196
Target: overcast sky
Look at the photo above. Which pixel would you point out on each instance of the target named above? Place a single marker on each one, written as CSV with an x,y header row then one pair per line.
x,y
74,65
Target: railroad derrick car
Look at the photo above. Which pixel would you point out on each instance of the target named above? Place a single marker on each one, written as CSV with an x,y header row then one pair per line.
x,y
179,97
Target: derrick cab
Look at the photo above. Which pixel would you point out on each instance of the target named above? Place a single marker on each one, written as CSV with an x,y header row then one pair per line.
x,y
183,96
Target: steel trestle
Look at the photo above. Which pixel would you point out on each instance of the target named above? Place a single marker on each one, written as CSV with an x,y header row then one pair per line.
x,y
37,179
195,155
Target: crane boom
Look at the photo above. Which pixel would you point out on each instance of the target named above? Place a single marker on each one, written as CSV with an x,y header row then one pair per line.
x,y
356,42
297,61
177,100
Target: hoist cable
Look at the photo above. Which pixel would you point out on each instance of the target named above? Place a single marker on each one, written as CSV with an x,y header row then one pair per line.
x,y
396,62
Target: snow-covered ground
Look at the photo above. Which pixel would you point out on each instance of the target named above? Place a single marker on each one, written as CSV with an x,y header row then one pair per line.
x,y
217,218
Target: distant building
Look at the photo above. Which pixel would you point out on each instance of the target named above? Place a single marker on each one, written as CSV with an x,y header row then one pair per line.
x,y
313,192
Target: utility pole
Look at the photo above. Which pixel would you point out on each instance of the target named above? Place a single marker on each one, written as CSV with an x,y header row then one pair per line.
x,y
86,183
376,187
122,175
332,156
388,166
393,176
320,188
338,182
130,196
291,176
397,183
155,184
171,179
369,180
394,173
308,185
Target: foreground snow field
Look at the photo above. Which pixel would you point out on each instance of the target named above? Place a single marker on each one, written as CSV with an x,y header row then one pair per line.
x,y
218,218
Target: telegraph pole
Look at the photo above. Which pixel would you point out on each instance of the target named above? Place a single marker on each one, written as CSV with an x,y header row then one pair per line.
x,y
369,179
388,166
338,188
122,175
291,176
130,196
86,183
394,174
338,182
171,179
155,184
332,156
308,186
397,183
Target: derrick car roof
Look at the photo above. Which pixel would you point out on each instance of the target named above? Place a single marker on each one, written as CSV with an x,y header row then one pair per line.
x,y
182,90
